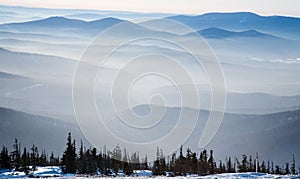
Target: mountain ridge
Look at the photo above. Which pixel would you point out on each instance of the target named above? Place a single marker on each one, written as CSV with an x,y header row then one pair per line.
x,y
33,129
287,27
214,32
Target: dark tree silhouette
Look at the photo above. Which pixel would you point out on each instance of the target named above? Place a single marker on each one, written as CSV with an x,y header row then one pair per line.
x,y
69,156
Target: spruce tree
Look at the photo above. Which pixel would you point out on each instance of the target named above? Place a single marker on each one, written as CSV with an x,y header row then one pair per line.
x,y
277,170
180,161
293,166
53,160
203,165
15,155
145,164
81,162
93,161
250,167
243,167
188,161
25,161
229,166
263,167
211,163
43,159
5,159
156,169
173,163
34,156
287,168
194,163
117,158
69,156
125,160
162,162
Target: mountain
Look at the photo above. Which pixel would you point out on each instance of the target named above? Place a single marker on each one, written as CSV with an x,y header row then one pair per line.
x,y
62,22
274,136
59,25
63,48
46,133
48,89
288,27
51,22
236,102
4,75
269,134
260,103
214,32
30,64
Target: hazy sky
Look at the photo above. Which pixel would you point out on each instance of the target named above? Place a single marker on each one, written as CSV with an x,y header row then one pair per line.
x,y
265,7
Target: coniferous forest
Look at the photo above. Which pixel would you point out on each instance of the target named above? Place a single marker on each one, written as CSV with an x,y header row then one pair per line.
x,y
90,161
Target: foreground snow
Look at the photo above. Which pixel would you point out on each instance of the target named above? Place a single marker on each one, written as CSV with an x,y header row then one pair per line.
x,y
55,173
49,171
227,175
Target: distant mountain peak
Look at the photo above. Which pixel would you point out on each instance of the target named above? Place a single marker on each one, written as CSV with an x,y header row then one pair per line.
x,y
107,20
214,32
283,26
56,18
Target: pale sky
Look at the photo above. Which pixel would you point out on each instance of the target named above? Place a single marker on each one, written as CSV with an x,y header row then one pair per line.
x,y
263,7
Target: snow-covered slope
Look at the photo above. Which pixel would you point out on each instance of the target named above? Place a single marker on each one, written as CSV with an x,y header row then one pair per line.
x,y
55,172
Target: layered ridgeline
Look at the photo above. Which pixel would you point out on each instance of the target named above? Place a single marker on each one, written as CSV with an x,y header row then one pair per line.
x,y
269,135
259,56
241,21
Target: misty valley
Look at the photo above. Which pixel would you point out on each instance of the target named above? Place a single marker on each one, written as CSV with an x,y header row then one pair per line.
x,y
46,95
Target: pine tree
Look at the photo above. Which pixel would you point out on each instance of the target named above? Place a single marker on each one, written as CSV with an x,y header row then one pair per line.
x,y
145,164
43,159
243,167
229,166
250,167
180,162
277,170
194,163
188,161
117,158
162,162
53,161
156,169
287,168
263,167
293,166
135,160
34,156
211,163
93,161
15,155
25,160
126,168
203,164
5,159
69,156
173,163
81,162
222,168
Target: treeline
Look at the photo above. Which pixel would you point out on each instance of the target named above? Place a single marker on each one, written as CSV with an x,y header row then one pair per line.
x,y
21,161
89,161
